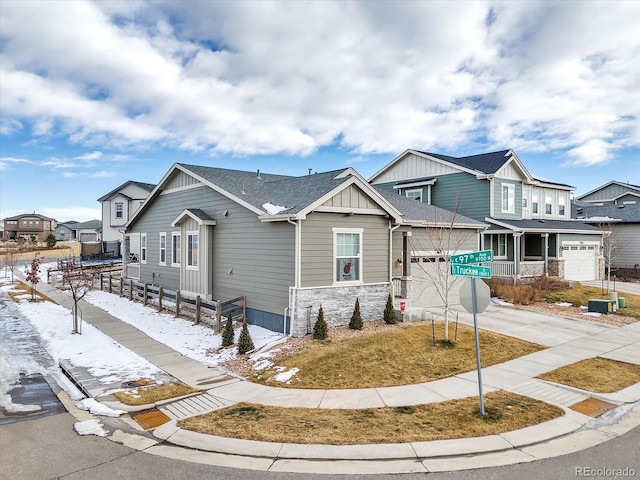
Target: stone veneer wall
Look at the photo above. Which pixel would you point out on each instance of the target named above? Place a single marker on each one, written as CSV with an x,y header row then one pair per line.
x,y
338,304
556,268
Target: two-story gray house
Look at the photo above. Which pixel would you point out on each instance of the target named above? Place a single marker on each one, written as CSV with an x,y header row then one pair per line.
x,y
289,244
615,207
530,233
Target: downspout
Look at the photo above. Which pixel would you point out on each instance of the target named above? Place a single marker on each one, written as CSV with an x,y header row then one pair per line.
x,y
391,230
296,275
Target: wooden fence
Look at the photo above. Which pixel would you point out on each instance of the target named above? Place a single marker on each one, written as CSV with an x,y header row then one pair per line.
x,y
196,308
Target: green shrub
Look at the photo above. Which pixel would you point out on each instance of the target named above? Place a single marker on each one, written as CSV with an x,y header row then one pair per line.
x,y
228,333
245,344
51,240
356,319
320,328
390,312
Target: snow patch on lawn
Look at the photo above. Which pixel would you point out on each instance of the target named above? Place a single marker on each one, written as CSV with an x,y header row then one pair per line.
x,y
500,302
96,408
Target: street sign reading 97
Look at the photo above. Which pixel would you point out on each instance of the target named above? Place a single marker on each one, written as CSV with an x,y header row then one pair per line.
x,y
473,257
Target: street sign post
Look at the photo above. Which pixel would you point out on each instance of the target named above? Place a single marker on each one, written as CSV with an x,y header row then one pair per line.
x,y
463,266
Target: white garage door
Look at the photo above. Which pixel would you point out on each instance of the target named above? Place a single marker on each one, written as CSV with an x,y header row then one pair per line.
x,y
425,273
580,261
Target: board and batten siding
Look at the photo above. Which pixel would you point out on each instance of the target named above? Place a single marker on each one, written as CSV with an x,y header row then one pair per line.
x,y
351,197
497,199
317,247
414,166
248,257
462,193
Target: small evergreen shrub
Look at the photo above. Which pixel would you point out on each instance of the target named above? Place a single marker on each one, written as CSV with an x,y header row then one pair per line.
x,y
228,332
51,240
245,344
390,312
356,319
320,328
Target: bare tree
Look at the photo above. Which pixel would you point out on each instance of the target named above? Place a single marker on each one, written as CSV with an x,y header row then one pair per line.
x,y
442,237
78,282
33,274
611,246
11,260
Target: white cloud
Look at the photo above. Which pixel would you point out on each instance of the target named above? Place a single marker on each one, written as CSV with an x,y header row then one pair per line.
x,y
243,78
103,174
8,162
9,126
95,155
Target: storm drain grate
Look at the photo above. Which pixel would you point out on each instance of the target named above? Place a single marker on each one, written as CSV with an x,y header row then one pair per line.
x,y
149,419
592,407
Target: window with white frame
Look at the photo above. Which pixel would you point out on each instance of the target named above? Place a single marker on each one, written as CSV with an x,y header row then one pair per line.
x,y
163,249
175,249
119,209
192,250
508,198
347,247
501,250
548,205
143,248
535,201
525,198
562,201
415,194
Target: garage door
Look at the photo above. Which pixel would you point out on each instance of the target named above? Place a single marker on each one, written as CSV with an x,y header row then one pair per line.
x,y
425,274
580,261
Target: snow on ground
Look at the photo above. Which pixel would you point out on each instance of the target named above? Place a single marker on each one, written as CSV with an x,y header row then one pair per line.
x,y
564,304
96,408
90,427
500,302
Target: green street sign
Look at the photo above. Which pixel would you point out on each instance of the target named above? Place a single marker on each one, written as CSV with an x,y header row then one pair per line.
x,y
470,271
482,256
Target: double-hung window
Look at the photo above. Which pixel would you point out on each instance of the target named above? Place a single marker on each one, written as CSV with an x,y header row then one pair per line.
x,y
535,201
163,248
347,245
548,205
175,249
562,200
415,194
500,245
143,248
508,198
192,250
119,209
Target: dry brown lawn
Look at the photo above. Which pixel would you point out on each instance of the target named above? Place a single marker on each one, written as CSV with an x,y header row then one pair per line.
x,y
401,355
154,393
598,375
504,411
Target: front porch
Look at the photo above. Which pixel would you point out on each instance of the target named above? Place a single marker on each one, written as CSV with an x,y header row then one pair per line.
x,y
506,269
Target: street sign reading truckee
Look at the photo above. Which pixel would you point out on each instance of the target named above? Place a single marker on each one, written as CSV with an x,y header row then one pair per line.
x,y
470,271
473,257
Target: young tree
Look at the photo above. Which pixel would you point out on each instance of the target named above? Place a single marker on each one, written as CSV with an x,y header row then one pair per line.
x,y
442,237
612,246
245,344
390,312
78,282
320,327
11,260
33,275
228,334
356,322
51,240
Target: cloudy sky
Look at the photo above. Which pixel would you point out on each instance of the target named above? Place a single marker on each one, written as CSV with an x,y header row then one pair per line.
x,y
95,93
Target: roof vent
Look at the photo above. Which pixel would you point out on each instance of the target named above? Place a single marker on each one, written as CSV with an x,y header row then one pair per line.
x,y
542,221
621,206
259,174
579,210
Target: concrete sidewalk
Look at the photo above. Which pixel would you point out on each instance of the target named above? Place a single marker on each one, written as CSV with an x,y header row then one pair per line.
x,y
620,287
568,342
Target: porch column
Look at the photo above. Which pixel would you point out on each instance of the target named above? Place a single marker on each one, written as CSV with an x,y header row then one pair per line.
x,y
406,287
517,253
545,252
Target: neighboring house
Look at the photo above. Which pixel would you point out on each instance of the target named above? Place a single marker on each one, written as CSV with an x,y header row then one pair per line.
x,y
118,206
289,244
614,207
87,231
29,225
530,233
65,232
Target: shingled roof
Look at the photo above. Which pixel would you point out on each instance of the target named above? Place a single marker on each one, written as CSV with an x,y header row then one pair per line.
x,y
603,214
488,163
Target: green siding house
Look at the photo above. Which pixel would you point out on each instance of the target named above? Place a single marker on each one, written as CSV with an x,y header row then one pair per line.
x,y
530,233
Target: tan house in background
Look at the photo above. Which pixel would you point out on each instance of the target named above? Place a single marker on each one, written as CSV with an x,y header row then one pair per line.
x,y
27,226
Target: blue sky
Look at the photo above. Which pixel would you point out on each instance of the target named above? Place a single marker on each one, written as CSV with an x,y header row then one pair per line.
x,y
95,93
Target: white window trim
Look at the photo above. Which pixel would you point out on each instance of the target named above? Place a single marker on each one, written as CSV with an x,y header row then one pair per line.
x,y
525,199
549,203
535,201
173,253
161,249
506,246
562,203
143,248
414,190
189,233
511,198
336,231
121,210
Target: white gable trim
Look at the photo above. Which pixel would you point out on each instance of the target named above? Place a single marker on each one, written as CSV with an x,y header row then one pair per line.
x,y
187,213
425,156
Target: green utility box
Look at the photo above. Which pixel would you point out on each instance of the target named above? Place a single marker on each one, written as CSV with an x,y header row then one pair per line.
x,y
600,306
621,302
